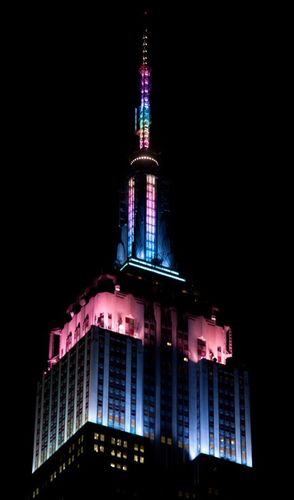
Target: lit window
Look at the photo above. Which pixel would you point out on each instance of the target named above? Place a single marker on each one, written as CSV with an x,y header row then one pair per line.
x,y
118,442
136,458
63,466
102,438
112,465
125,444
125,456
118,454
162,439
201,348
131,215
136,447
169,441
125,467
130,326
118,466
112,453
150,217
142,449
96,448
112,440
51,478
141,460
96,435
101,448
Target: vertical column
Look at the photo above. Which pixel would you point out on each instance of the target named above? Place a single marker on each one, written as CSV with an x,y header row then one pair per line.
x,y
192,411
128,384
41,419
76,347
58,404
237,416
106,378
139,393
35,464
204,421
49,413
174,377
157,314
67,397
51,345
247,420
216,410
93,381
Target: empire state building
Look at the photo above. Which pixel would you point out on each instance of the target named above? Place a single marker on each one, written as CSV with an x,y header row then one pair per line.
x,y
142,396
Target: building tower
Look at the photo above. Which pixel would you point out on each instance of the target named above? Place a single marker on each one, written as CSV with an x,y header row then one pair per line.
x,y
140,379
145,242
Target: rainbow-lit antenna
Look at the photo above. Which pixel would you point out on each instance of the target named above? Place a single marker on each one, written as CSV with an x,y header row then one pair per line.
x,y
144,109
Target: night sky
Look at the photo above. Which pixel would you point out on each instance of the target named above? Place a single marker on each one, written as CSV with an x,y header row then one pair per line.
x,y
75,89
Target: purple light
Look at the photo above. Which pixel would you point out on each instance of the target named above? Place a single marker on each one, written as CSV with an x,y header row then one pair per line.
x,y
150,217
131,215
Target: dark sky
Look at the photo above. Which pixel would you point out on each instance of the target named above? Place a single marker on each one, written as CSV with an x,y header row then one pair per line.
x,y
74,89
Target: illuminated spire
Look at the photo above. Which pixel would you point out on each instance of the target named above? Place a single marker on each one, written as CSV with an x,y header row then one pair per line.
x,y
144,109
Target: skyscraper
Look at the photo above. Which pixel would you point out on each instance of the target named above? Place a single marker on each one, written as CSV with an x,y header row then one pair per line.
x,y
140,379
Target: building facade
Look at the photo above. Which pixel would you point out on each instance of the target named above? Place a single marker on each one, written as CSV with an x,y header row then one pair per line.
x,y
140,362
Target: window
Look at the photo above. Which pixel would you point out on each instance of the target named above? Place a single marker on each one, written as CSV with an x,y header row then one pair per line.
x,y
201,348
130,326
219,354
101,320
229,341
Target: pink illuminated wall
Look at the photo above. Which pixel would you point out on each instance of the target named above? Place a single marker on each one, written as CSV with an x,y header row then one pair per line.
x,y
125,314
208,340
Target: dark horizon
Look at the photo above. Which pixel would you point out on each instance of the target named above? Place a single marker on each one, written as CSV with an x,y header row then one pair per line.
x,y
79,89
